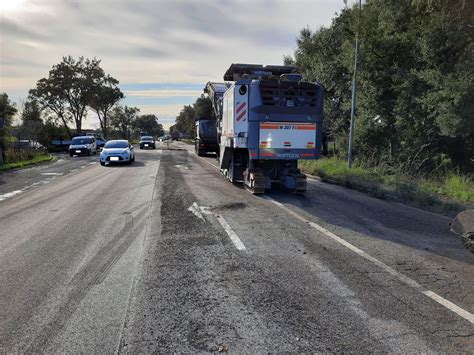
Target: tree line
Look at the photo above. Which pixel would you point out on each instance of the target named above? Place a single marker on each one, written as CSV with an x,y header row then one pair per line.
x,y
72,88
185,121
415,82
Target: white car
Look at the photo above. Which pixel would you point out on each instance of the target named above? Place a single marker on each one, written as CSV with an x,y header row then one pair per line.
x,y
83,145
117,151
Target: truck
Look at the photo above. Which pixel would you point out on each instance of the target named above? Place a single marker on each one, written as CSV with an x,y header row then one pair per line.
x,y
268,118
205,140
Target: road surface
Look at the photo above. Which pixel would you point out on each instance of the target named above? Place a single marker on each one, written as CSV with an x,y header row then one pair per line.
x,y
166,255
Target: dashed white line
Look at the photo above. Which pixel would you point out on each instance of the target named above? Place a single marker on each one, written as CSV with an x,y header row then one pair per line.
x,y
52,174
405,279
234,237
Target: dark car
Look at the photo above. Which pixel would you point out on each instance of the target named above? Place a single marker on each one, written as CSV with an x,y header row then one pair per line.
x,y
147,142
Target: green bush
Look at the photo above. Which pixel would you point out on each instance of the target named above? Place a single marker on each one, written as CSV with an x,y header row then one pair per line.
x,y
421,190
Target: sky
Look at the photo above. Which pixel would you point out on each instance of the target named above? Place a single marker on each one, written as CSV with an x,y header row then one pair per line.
x,y
162,52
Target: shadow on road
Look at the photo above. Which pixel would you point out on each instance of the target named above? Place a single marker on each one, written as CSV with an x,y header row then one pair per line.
x,y
135,164
379,219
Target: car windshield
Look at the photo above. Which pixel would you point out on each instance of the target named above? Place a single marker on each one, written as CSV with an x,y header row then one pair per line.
x,y
147,138
116,144
77,141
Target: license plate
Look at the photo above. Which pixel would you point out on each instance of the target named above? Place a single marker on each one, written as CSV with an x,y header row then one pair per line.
x,y
146,145
78,151
114,158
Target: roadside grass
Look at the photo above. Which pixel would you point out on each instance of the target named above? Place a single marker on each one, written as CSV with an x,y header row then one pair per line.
x,y
40,158
443,194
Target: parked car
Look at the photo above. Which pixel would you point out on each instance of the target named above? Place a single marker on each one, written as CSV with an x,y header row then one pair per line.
x,y
83,145
117,151
147,142
28,144
98,139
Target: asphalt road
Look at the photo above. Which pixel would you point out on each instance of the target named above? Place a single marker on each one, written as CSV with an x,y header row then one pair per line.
x,y
166,255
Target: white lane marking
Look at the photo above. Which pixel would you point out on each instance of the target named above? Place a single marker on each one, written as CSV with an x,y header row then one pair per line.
x,y
198,211
456,309
194,208
53,174
92,163
234,237
405,279
10,194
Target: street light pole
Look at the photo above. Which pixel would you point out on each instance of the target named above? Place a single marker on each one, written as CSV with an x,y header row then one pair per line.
x,y
354,88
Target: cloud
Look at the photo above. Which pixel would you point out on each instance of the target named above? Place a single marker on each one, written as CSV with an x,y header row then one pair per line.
x,y
165,42
164,93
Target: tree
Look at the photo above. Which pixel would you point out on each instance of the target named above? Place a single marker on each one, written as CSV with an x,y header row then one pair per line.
x,y
185,121
7,112
148,124
50,96
31,122
203,108
122,118
104,96
69,89
415,97
7,109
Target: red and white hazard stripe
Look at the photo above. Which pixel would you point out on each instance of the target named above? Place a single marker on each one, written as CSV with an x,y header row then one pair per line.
x,y
241,111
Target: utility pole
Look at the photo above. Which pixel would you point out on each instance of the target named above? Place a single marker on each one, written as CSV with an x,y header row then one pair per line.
x,y
354,87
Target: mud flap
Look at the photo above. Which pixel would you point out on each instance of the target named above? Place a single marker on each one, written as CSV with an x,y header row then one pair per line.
x,y
226,157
